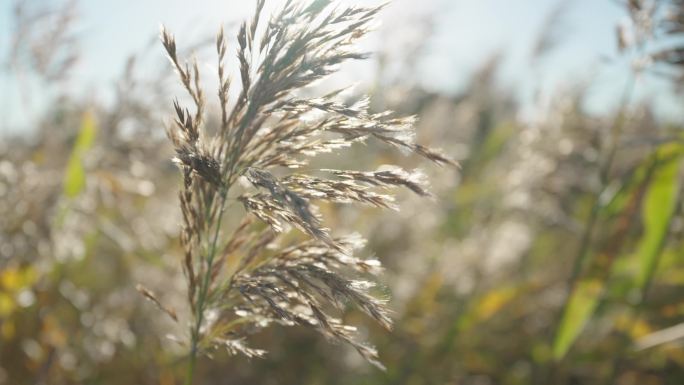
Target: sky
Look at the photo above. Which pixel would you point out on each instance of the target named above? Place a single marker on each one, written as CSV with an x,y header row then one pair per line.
x,y
462,35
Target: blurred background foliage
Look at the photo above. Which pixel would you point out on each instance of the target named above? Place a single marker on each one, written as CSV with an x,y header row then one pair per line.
x,y
555,255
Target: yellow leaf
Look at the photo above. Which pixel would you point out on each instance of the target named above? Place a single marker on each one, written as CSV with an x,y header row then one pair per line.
x,y
14,279
7,305
491,303
10,279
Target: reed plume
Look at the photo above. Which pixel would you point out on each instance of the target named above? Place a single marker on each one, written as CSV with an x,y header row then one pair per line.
x,y
243,280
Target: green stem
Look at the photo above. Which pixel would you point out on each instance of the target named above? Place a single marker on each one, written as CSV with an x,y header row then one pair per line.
x,y
204,289
191,365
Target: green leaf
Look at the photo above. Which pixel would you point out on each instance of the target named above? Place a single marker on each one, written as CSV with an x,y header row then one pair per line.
x,y
75,178
626,189
657,211
74,181
581,306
